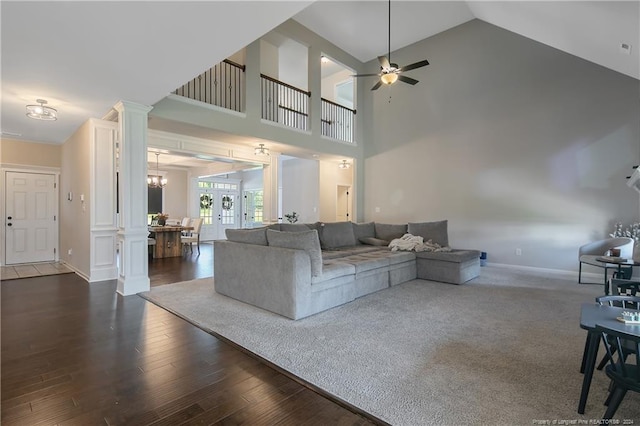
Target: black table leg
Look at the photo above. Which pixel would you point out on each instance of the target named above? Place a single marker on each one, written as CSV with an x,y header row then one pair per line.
x,y
590,363
585,352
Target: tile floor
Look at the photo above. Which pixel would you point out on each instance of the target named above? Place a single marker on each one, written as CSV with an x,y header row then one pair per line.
x,y
32,270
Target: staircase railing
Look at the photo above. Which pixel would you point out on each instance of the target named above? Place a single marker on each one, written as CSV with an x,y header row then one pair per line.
x,y
222,85
337,121
284,104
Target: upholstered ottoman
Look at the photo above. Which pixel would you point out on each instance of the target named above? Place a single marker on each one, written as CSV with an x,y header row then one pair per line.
x,y
456,266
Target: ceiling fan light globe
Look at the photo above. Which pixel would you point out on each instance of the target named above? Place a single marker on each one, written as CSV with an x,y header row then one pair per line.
x,y
389,78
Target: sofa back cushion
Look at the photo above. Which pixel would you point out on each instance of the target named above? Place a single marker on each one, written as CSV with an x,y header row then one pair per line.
x,y
434,231
388,232
337,234
256,236
293,227
303,240
363,230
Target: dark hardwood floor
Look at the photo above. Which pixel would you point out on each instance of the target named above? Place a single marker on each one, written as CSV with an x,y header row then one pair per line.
x,y
74,353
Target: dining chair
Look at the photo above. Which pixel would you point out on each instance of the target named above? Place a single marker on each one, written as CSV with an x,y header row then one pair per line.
x,y
151,242
624,377
624,287
626,302
184,223
193,236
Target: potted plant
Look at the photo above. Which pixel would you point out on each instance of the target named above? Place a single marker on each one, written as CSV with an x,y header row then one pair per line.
x,y
161,218
292,217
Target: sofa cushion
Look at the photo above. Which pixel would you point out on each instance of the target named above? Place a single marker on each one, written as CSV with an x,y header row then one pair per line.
x,y
337,234
304,240
455,256
363,230
249,236
367,261
274,226
372,241
293,227
434,231
388,232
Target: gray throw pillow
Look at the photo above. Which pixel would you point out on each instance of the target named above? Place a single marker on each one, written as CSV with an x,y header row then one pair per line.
x,y
385,231
372,241
305,240
337,234
434,231
363,230
256,236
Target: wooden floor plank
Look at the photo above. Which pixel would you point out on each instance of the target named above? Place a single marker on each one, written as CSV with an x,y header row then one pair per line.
x,y
79,354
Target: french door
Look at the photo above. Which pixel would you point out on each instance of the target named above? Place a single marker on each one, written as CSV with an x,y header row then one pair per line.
x,y
30,217
219,207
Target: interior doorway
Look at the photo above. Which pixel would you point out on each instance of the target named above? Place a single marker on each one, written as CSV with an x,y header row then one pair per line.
x,y
343,203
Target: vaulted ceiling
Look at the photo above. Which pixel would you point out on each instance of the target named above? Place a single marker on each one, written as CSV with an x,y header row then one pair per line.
x,y
85,56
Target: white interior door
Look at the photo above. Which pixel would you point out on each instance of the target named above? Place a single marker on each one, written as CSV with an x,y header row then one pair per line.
x,y
31,213
343,204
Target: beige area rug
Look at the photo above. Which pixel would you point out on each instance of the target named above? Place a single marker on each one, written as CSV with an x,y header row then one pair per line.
x,y
503,349
33,270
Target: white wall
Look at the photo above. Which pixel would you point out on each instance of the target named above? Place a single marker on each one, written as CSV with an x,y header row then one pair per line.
x,y
74,219
293,62
329,84
176,194
252,179
268,59
517,144
300,183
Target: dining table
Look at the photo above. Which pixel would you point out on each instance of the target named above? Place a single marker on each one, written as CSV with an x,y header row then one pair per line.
x,y
592,314
168,240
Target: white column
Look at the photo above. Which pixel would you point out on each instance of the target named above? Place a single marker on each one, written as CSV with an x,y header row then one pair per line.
x,y
270,188
133,275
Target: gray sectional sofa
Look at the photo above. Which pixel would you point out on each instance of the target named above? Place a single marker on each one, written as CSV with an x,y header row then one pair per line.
x,y
297,270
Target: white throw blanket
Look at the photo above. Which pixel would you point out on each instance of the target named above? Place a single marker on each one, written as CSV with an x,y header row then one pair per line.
x,y
410,242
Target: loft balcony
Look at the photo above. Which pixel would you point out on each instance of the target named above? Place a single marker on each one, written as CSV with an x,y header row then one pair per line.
x,y
224,85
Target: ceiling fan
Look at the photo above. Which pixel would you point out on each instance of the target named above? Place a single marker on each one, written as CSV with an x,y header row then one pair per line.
x,y
390,72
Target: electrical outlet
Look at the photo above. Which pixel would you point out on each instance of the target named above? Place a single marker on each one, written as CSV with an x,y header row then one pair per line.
x,y
70,252
518,252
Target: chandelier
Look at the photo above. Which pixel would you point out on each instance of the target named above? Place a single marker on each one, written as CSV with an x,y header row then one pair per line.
x,y
41,112
156,181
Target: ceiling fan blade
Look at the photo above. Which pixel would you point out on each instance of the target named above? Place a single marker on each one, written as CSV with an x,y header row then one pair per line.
x,y
414,66
377,86
364,75
384,62
407,79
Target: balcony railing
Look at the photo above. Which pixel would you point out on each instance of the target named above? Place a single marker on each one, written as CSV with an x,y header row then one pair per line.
x,y
284,104
337,121
221,85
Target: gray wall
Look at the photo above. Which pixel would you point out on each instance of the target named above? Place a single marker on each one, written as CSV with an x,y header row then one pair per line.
x,y
517,144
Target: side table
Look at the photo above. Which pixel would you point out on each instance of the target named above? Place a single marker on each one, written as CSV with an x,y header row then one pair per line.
x,y
620,262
